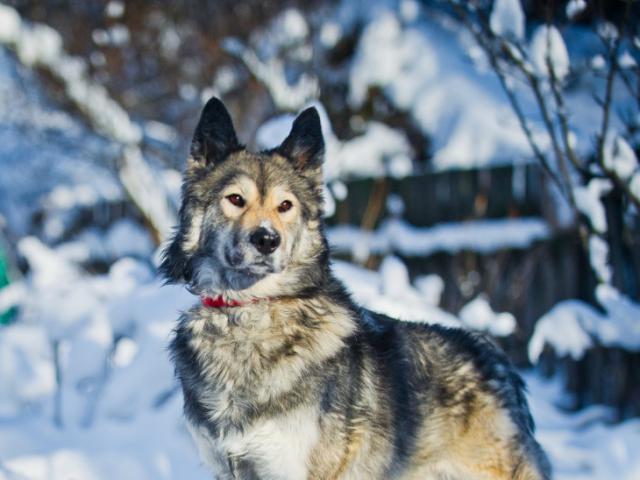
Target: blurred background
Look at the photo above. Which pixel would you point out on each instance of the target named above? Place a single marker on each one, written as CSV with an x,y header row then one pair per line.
x,y
481,172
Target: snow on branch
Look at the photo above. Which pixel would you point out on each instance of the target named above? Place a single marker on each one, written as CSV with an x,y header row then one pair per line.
x,y
541,70
39,46
543,67
507,19
572,326
286,38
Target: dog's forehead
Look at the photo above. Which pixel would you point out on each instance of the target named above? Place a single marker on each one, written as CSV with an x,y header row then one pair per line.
x,y
267,171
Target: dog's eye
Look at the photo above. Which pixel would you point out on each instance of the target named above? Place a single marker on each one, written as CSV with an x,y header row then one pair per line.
x,y
285,206
236,199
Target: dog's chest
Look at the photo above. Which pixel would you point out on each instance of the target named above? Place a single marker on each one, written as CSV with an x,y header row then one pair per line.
x,y
243,371
274,448
253,388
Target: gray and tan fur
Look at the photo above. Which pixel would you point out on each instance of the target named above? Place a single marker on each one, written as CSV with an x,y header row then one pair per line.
x,y
299,382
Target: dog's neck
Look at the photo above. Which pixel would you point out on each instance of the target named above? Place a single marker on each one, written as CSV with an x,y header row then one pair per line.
x,y
219,301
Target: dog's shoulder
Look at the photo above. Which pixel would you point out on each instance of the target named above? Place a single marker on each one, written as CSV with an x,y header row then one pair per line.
x,y
448,358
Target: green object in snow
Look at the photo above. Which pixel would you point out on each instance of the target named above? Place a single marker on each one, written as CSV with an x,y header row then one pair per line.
x,y
6,316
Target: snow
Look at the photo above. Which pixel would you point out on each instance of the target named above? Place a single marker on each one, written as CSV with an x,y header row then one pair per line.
x,y
562,328
380,150
10,23
123,238
24,380
626,60
286,36
330,34
100,37
114,9
161,132
575,8
271,72
599,258
608,31
339,190
507,19
622,328
598,62
477,235
459,108
409,10
119,35
586,444
395,205
274,131
389,292
548,50
634,185
431,287
292,26
383,44
394,277
620,158
588,202
478,315
573,326
38,45
457,103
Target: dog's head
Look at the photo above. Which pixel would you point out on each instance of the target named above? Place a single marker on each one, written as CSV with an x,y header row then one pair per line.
x,y
249,222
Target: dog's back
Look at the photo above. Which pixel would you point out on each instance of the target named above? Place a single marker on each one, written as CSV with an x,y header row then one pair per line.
x,y
283,377
454,405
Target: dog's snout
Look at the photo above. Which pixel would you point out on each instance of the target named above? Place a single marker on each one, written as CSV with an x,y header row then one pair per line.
x,y
264,240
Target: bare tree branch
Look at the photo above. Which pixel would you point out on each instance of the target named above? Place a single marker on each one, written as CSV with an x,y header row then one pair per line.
x,y
481,38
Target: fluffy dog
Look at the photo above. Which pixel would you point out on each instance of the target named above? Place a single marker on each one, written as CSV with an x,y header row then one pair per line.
x,y
283,376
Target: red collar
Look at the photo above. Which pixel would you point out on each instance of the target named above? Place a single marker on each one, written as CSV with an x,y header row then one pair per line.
x,y
220,302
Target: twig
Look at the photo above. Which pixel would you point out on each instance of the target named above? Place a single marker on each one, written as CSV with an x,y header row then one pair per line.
x,y
513,100
57,399
606,110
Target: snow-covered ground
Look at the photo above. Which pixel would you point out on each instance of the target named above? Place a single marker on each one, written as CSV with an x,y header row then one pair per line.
x,y
115,411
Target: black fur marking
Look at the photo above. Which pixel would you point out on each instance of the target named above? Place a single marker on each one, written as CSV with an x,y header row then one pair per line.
x,y
390,347
304,146
214,138
190,374
175,263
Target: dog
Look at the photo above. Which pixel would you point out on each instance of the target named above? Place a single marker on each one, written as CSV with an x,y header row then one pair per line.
x,y
283,376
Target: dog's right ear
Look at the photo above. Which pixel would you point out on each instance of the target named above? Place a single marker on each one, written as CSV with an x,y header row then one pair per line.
x,y
215,137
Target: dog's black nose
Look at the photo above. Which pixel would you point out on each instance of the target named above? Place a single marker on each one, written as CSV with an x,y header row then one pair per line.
x,y
264,240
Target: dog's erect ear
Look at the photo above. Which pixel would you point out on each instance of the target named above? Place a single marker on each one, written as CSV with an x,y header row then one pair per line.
x,y
304,146
215,136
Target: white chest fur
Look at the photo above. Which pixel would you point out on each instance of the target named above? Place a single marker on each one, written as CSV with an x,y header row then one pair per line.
x,y
278,447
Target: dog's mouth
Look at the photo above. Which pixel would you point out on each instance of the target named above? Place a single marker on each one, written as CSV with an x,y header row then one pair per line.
x,y
231,271
236,262
244,277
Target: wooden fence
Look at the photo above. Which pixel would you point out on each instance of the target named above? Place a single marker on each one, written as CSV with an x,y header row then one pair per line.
x,y
526,282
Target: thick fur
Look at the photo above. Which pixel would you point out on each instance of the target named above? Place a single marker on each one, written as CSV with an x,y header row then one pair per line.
x,y
299,382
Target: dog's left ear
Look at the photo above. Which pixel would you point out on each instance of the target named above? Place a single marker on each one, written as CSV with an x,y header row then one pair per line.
x,y
304,146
